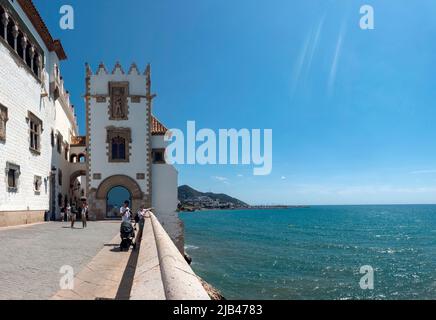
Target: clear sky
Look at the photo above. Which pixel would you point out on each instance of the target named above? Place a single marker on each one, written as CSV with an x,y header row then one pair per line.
x,y
352,111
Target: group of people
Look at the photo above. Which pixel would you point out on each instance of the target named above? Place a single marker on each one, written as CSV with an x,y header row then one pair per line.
x,y
142,213
73,213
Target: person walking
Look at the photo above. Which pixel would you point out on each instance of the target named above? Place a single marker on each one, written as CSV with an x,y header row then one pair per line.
x,y
84,214
67,211
63,213
73,215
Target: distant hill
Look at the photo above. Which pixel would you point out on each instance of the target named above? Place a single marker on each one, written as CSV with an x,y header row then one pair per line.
x,y
186,192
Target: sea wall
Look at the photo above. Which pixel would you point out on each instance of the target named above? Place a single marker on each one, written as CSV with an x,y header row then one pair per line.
x,y
161,271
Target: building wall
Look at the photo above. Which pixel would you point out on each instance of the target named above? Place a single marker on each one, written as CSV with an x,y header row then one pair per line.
x,y
165,196
20,92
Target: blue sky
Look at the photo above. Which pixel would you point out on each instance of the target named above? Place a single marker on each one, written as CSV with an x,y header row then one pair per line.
x,y
352,111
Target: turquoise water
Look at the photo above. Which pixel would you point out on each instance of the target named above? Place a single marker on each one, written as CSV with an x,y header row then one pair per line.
x,y
317,252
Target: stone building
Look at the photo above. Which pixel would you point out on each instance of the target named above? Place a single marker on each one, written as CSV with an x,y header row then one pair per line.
x,y
44,162
126,148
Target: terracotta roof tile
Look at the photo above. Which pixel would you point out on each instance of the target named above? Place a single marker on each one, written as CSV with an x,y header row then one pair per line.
x,y
157,128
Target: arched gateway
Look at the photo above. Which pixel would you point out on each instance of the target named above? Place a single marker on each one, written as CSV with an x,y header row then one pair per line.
x,y
113,190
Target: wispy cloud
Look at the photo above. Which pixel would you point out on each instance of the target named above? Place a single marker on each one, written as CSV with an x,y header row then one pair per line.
x,y
304,62
315,42
283,178
308,51
298,68
335,62
221,179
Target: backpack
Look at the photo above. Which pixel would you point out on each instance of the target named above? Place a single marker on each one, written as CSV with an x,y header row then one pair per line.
x,y
136,218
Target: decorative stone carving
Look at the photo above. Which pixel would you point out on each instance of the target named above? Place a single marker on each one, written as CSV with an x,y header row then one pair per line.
x,y
134,69
3,120
118,91
31,55
118,69
5,21
135,99
15,32
96,176
24,45
100,99
101,69
140,176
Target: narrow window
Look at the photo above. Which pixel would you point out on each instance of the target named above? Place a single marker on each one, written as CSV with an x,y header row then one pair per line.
x,y
12,183
158,156
35,129
60,177
37,184
3,120
118,148
59,140
12,174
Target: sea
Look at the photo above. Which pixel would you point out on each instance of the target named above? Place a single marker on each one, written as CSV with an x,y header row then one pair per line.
x,y
316,253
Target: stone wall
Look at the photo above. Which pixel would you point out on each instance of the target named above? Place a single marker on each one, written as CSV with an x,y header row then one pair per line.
x,y
15,218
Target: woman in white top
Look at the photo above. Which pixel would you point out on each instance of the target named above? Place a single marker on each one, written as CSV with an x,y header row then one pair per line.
x,y
125,212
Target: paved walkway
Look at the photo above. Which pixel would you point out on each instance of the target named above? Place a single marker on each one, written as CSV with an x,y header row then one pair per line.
x,y
31,257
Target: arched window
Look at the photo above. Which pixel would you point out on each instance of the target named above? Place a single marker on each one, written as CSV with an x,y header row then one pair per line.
x,y
73,158
2,25
20,47
81,158
118,148
10,33
35,65
60,200
118,144
28,57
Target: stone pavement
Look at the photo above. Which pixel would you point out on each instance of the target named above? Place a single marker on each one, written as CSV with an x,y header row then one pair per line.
x,y
31,257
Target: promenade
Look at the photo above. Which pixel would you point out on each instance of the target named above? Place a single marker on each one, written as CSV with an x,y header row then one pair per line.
x,y
32,256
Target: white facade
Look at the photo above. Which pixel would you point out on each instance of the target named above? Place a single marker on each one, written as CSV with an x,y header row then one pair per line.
x,y
24,91
114,116
136,122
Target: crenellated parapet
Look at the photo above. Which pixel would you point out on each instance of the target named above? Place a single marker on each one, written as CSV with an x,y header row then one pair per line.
x,y
117,69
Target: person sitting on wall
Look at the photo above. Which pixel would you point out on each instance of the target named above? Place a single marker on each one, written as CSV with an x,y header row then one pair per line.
x,y
139,219
125,212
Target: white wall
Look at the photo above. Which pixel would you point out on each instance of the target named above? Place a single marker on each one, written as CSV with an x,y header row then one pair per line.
x,y
21,92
